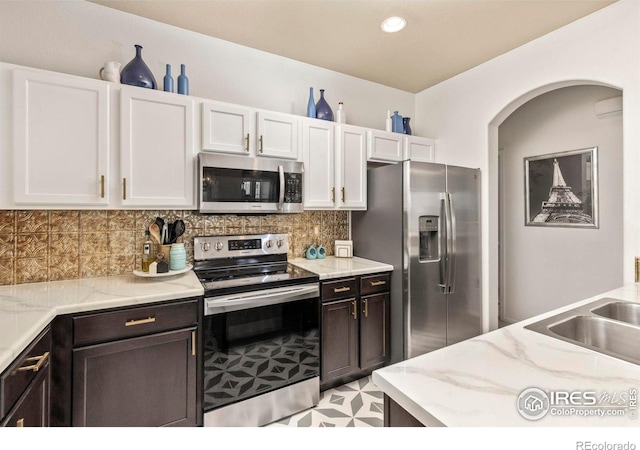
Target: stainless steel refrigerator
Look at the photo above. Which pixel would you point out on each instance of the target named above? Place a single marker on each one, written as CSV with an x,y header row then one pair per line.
x,y
423,218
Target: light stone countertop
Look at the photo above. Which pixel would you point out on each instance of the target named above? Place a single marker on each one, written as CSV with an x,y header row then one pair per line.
x,y
332,267
477,382
26,309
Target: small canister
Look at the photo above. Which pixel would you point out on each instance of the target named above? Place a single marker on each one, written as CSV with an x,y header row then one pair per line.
x,y
178,257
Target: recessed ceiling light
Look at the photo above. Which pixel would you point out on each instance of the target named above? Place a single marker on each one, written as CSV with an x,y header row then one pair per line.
x,y
393,24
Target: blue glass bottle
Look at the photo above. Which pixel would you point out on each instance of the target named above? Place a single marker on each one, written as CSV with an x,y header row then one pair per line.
x,y
137,73
311,106
323,110
168,80
396,120
183,82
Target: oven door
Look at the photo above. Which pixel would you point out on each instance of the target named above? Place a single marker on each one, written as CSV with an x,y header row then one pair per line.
x,y
259,342
234,184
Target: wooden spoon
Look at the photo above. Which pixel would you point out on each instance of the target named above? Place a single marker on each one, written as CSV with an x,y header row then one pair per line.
x,y
154,231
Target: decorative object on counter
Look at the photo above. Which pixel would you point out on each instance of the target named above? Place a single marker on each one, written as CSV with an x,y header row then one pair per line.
x,y
183,82
153,268
137,73
177,257
311,253
311,106
110,72
397,122
344,249
388,124
341,115
323,110
322,253
406,128
168,80
147,251
163,264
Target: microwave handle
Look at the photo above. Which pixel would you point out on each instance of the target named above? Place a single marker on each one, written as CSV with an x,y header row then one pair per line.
x,y
281,178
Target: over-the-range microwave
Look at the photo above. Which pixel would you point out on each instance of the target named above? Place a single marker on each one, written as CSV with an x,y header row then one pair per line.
x,y
248,185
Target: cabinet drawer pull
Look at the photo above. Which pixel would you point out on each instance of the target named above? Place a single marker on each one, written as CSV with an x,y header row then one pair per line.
x,y
130,323
342,289
20,423
366,307
246,147
193,343
355,310
39,361
101,186
378,283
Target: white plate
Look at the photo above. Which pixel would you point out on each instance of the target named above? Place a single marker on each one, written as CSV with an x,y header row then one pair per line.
x,y
142,274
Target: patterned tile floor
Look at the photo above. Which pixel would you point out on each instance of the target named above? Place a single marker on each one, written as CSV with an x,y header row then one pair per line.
x,y
355,404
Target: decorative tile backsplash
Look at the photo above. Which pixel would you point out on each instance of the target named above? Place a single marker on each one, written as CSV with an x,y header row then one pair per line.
x,y
63,245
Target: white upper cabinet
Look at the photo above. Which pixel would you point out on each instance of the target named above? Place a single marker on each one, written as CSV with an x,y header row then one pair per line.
x,y
158,161
61,140
351,167
319,164
384,146
226,128
419,149
229,128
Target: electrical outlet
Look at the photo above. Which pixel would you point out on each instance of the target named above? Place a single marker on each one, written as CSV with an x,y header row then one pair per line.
x,y
316,230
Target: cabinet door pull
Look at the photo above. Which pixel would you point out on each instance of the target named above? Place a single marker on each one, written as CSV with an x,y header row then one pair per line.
x,y
260,147
341,289
333,195
355,310
101,186
343,194
20,423
130,323
124,189
39,361
193,343
365,310
378,283
246,147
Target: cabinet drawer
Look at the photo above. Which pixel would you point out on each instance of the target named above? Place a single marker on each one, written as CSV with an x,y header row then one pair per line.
x,y
16,379
342,288
107,326
372,284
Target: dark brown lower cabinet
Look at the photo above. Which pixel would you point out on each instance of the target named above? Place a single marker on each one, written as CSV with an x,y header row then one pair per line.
x,y
396,416
32,410
355,329
139,382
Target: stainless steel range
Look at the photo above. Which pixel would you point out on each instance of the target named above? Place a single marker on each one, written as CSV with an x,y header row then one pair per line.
x,y
260,327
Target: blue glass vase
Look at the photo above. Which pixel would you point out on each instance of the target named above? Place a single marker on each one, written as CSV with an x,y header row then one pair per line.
x,y
168,80
183,82
311,106
137,73
396,121
323,110
406,128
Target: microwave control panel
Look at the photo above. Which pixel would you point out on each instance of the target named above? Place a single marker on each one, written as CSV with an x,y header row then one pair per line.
x,y
293,188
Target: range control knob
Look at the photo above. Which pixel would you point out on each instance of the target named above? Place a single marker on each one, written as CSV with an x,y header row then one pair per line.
x,y
218,246
205,246
268,243
280,242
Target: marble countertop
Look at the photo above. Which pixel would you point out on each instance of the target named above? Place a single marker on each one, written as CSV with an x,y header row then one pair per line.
x,y
26,309
477,382
332,267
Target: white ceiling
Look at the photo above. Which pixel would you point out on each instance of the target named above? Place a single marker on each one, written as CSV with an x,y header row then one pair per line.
x,y
442,37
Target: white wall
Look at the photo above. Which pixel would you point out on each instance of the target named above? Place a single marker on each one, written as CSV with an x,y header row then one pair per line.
x,y
463,113
77,37
544,268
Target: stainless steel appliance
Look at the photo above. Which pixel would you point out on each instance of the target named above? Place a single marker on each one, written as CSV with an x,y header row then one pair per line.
x,y
241,184
261,338
424,219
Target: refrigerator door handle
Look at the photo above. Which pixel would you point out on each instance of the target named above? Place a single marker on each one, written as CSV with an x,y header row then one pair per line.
x,y
444,244
451,252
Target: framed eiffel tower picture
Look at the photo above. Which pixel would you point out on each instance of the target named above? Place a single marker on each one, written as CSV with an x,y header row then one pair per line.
x,y
561,189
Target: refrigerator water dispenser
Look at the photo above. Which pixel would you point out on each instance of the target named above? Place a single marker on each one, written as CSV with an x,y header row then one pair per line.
x,y
429,242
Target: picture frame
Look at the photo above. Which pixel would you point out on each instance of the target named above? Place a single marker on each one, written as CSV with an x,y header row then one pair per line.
x,y
561,189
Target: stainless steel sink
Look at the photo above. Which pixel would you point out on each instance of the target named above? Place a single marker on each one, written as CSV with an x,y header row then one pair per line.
x,y
607,326
621,311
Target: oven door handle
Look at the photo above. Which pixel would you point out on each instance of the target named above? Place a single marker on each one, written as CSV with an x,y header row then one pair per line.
x,y
228,303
